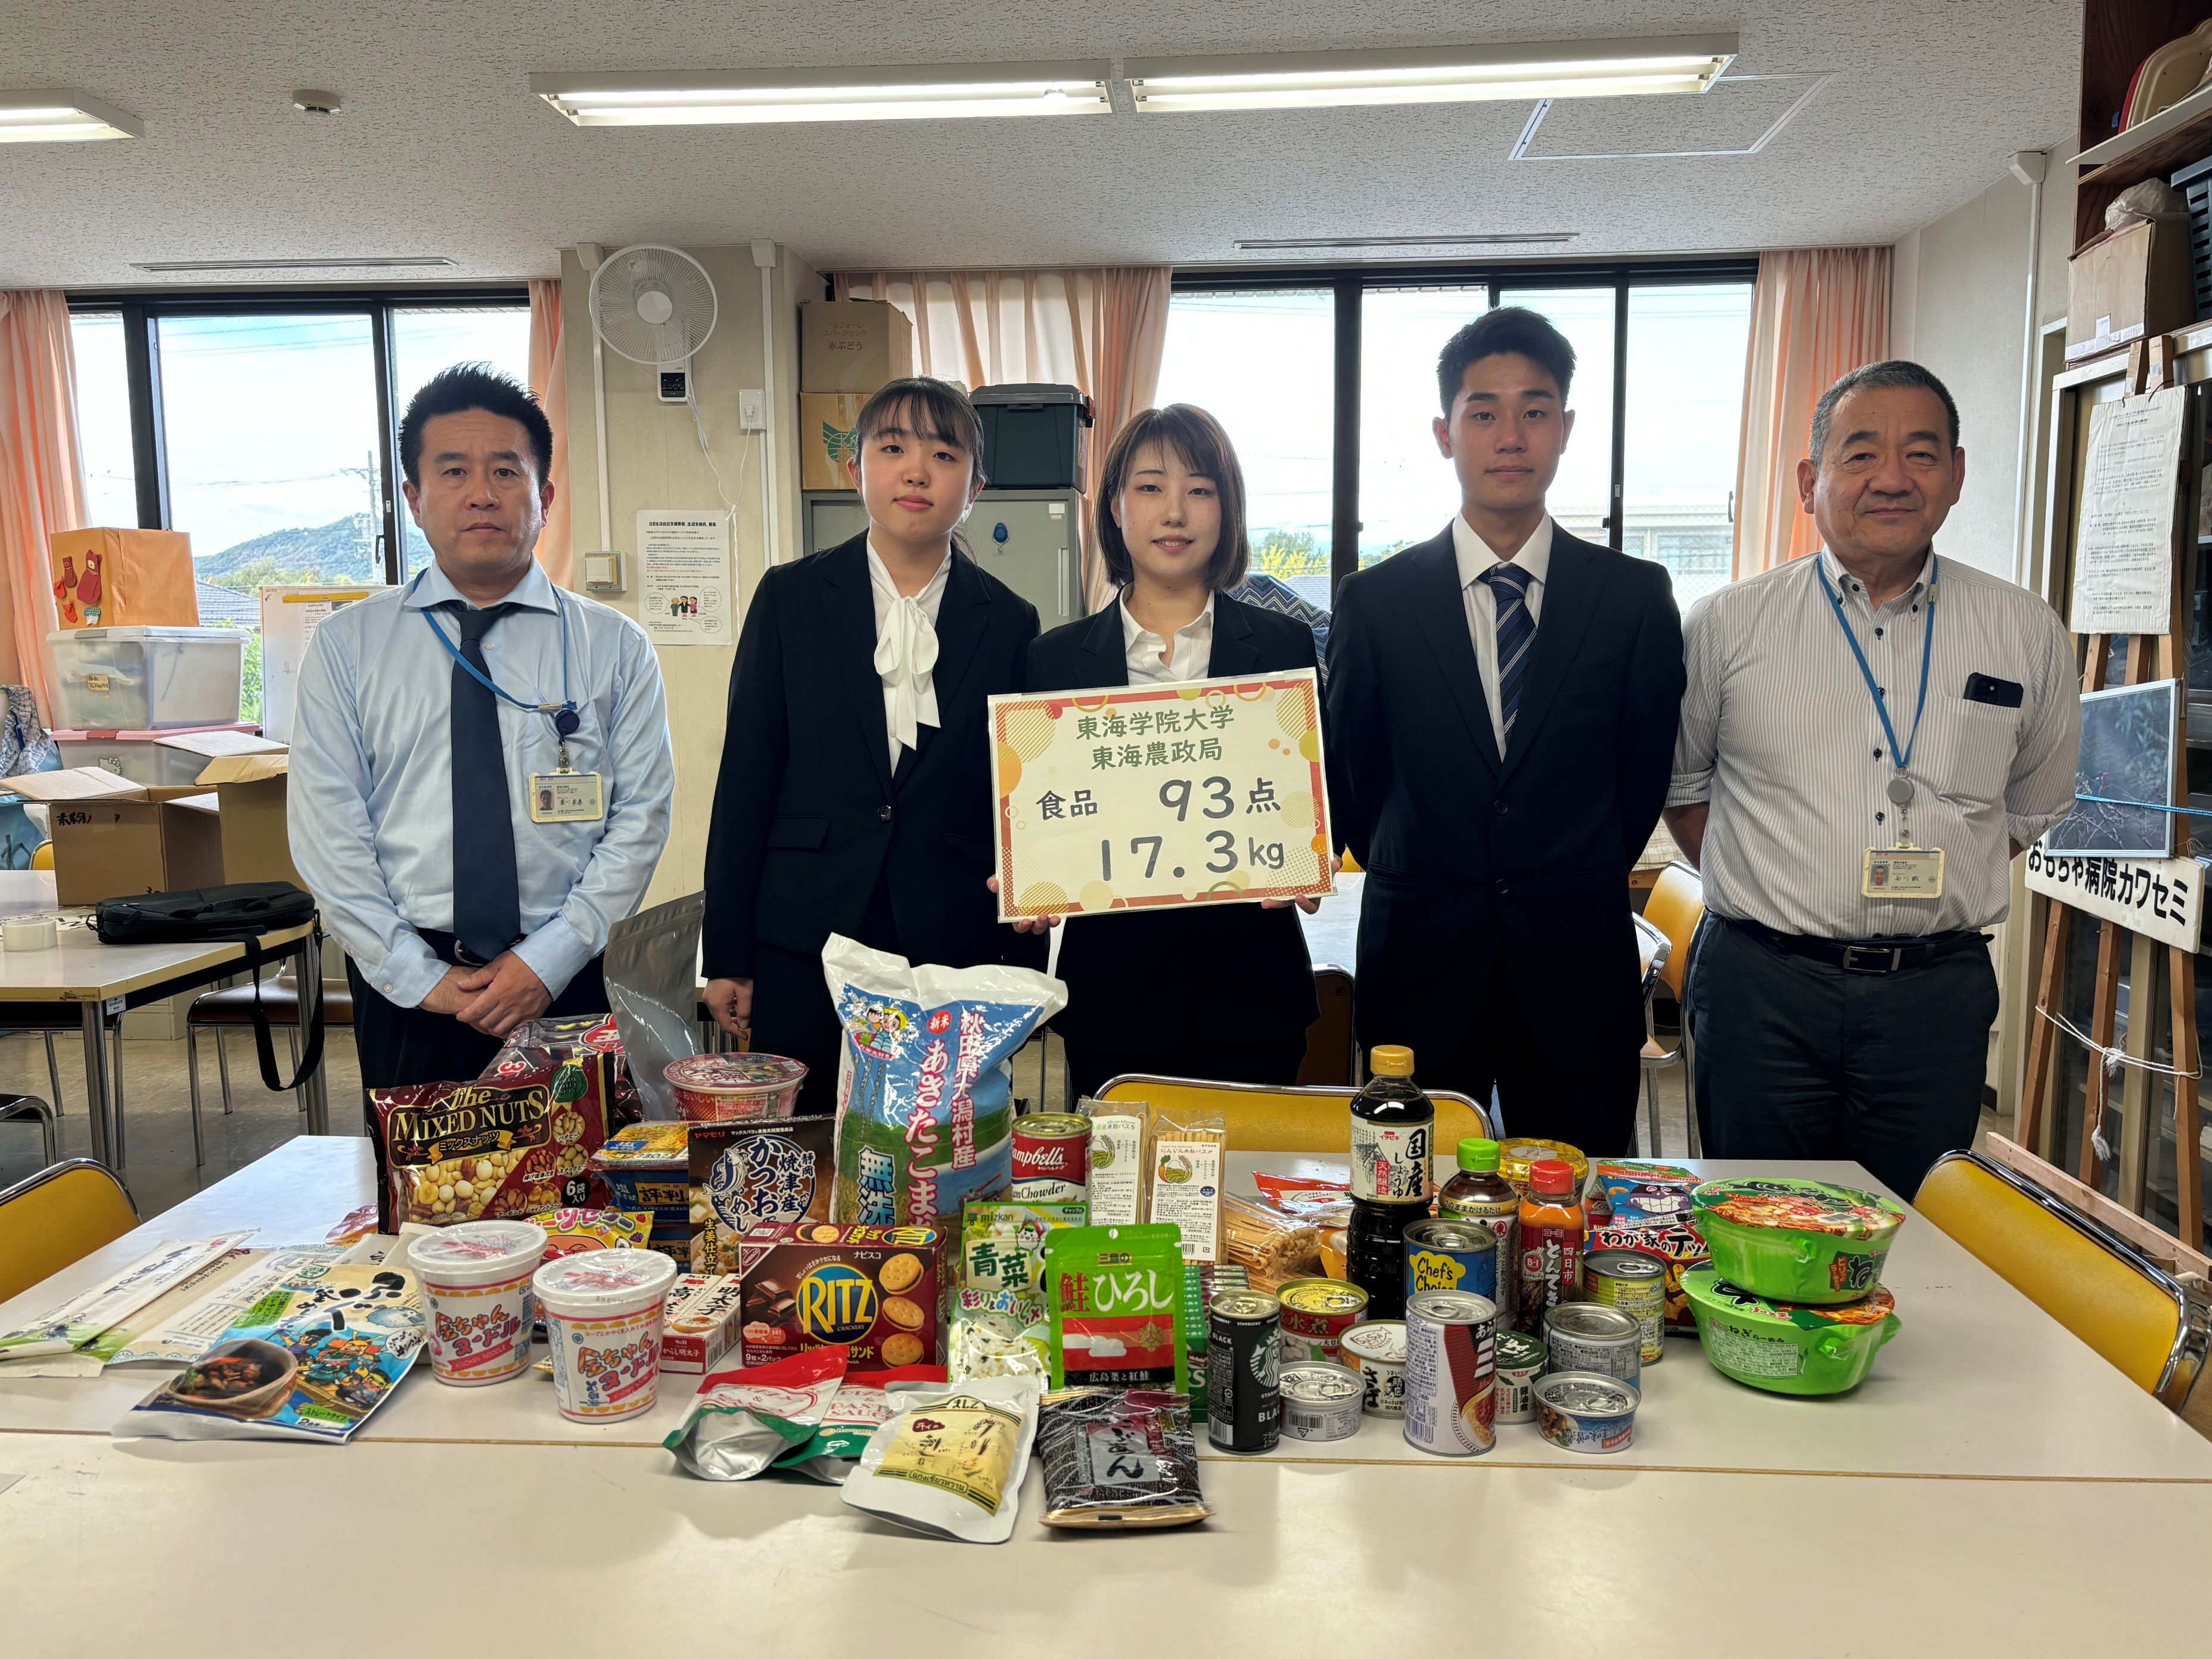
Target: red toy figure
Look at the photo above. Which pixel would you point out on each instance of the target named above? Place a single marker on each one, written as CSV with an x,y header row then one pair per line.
x,y
65,589
88,590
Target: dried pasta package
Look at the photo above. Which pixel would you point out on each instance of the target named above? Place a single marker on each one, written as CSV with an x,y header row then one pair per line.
x,y
1187,1160
925,1121
952,1459
1271,1246
1120,1459
1117,1160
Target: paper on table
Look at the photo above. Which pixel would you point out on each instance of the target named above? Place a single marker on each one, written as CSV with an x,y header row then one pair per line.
x,y
683,582
191,1319
2124,563
24,1353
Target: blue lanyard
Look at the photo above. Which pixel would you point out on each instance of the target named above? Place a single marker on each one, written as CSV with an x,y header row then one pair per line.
x,y
565,721
1899,753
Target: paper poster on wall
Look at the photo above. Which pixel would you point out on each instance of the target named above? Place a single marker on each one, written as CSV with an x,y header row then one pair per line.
x,y
684,577
2124,563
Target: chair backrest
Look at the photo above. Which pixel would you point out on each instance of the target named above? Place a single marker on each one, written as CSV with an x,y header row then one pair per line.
x,y
1676,904
42,856
62,1214
1313,1121
2081,1273
1652,951
1329,1038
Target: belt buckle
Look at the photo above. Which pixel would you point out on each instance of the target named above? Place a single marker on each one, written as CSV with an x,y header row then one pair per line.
x,y
1894,953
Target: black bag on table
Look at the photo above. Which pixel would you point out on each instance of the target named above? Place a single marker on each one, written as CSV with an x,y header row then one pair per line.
x,y
242,911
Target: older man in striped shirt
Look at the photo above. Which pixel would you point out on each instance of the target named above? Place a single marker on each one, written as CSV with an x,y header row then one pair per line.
x,y
1869,737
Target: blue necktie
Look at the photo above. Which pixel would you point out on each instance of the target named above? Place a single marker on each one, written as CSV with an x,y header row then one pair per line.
x,y
1516,632
487,894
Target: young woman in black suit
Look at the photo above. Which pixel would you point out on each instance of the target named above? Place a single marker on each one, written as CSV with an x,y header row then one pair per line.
x,y
1222,992
855,788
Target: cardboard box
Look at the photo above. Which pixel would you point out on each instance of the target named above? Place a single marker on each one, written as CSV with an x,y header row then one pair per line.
x,y
746,1172
827,438
257,837
810,1283
124,578
701,1324
853,345
2128,284
114,838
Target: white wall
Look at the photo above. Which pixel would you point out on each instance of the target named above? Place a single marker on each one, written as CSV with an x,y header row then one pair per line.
x,y
653,461
1958,300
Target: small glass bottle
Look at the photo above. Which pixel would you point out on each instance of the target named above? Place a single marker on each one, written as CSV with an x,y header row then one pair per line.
x,y
1553,1228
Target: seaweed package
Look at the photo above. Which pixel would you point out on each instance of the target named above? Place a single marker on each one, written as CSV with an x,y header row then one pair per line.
x,y
1113,1298
925,1114
1117,1458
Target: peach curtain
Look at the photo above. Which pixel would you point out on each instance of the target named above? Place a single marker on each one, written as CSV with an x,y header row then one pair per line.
x,y
549,380
1099,330
1816,314
41,474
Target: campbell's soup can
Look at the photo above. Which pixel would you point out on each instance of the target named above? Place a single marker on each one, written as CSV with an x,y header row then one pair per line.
x,y
1451,1256
1052,1158
1451,1373
1317,1313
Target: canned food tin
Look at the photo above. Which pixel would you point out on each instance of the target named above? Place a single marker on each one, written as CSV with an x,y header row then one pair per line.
x,y
1451,1363
1243,1409
1376,1350
1519,1363
1517,1158
1321,1400
1451,1256
1052,1158
1637,1284
1582,1412
1589,1336
1317,1313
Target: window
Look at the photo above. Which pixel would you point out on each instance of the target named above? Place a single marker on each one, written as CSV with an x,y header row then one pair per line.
x,y
1684,416
1264,365
1407,489
1580,497
103,419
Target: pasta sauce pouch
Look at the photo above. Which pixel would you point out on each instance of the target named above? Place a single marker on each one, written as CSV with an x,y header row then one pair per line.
x,y
925,1121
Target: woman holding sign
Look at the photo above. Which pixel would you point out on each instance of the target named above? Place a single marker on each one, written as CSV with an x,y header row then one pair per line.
x,y
1218,991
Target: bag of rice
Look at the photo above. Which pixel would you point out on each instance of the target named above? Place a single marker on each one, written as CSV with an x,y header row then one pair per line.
x,y
924,1117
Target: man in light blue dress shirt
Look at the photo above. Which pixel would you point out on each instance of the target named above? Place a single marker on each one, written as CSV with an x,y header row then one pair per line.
x,y
480,776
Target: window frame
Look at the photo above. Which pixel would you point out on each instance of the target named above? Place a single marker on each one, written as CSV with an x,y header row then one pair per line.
x,y
141,362
1351,284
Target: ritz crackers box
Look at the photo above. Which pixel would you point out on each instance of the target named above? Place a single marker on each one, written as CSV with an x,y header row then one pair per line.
x,y
810,1283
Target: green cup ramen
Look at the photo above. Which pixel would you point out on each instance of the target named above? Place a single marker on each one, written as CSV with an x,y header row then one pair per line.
x,y
1794,1240
1786,1347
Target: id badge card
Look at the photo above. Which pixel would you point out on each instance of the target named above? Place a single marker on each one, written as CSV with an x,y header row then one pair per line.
x,y
566,797
1902,872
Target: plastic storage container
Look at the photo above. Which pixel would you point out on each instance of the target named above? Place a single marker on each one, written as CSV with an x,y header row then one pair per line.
x,y
137,679
1035,437
163,761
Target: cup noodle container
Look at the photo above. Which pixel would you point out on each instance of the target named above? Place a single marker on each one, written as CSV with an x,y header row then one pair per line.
x,y
603,1311
475,1280
714,1088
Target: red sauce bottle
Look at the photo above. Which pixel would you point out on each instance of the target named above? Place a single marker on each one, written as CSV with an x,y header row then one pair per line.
x,y
1554,1229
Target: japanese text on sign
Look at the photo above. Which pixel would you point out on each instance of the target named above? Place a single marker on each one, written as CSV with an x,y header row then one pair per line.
x,y
2160,898
1208,791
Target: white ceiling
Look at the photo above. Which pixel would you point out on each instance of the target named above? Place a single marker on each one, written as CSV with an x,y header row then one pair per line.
x,y
442,150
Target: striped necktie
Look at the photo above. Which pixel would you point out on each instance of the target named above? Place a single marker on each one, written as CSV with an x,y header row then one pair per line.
x,y
1516,632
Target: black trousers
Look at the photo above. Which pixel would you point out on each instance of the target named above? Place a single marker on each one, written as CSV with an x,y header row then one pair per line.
x,y
1554,1081
793,1013
1795,1059
412,1045
1271,1062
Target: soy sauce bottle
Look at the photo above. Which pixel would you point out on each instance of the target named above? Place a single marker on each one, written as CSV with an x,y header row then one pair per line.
x,y
1393,1133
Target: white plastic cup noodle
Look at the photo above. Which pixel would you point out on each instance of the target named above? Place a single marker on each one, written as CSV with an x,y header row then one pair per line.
x,y
476,1279
603,1312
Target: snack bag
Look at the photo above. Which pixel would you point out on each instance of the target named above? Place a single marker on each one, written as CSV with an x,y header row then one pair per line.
x,y
741,1421
1116,1459
589,1037
570,1232
951,1458
860,1408
924,1118
1114,1300
479,1150
998,1321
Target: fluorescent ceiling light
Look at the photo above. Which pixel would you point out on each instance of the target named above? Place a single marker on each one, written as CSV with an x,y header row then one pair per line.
x,y
904,93
59,117
1312,80
1517,237
384,262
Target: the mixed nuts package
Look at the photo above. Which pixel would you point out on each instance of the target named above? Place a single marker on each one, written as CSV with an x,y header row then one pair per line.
x,y
485,1150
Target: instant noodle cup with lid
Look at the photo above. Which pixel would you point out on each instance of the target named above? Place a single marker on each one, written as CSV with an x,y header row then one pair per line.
x,y
1786,1347
1796,1240
711,1088
475,1288
603,1312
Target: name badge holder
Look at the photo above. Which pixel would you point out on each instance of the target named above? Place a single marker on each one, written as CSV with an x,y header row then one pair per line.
x,y
1905,871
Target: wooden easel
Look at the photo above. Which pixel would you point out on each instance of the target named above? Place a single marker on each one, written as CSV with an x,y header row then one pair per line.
x,y
2150,365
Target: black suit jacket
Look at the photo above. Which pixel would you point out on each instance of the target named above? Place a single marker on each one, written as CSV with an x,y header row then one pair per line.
x,y
808,813
1237,973
1465,848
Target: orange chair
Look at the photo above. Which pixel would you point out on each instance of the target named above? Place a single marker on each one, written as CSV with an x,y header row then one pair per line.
x,y
60,1215
1312,1121
1674,908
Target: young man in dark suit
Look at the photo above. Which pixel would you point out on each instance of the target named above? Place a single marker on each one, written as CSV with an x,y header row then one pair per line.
x,y
1503,700
855,790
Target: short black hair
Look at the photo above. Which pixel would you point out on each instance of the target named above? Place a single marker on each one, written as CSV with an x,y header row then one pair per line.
x,y
1508,330
1894,371
1203,448
473,386
921,407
